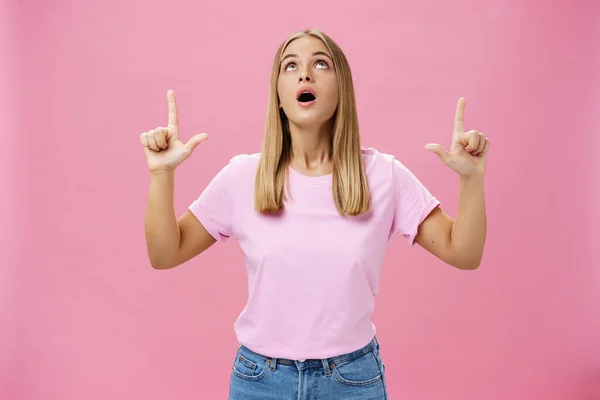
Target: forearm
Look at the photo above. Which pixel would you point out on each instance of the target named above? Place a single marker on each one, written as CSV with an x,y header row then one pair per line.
x,y
162,231
469,229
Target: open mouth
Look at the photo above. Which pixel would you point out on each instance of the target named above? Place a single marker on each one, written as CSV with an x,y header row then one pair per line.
x,y
306,97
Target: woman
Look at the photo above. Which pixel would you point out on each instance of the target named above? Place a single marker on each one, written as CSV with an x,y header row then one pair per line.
x,y
314,213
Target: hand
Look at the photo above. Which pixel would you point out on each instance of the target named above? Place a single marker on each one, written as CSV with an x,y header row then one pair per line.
x,y
164,150
468,150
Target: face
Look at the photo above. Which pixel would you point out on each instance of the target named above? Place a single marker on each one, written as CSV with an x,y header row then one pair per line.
x,y
307,67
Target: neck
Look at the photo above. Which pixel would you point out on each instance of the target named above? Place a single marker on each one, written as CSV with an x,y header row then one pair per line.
x,y
311,148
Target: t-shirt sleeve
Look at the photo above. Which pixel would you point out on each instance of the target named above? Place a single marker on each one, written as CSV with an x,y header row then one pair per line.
x,y
412,202
214,206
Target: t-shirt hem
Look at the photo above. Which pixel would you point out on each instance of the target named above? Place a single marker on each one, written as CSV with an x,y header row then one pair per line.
x,y
203,217
427,209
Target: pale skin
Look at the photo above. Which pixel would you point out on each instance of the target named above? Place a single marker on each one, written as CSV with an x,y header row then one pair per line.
x,y
307,63
458,242
170,242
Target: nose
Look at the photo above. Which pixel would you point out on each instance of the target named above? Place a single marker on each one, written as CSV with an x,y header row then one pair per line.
x,y
304,76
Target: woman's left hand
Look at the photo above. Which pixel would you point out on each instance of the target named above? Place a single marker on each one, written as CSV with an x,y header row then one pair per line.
x,y
468,150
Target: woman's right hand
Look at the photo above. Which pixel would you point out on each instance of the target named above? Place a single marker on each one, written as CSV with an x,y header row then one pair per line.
x,y
164,150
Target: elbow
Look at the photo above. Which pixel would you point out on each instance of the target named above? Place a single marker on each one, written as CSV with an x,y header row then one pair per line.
x,y
466,256
464,260
161,257
157,263
468,264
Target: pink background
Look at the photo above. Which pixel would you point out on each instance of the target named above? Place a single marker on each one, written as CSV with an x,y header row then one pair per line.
x,y
83,314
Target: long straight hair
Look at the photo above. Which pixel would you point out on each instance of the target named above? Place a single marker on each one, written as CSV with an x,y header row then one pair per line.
x,y
350,188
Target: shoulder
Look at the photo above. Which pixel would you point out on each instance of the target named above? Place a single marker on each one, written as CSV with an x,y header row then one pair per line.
x,y
245,160
387,167
377,162
240,168
242,164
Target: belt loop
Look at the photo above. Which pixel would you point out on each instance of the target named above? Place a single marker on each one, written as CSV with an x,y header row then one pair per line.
x,y
376,341
273,364
326,366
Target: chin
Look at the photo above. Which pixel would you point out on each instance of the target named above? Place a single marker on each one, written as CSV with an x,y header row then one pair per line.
x,y
308,122
309,119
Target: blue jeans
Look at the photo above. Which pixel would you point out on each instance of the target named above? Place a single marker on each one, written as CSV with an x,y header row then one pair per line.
x,y
356,375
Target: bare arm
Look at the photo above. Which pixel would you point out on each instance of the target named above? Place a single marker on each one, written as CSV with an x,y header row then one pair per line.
x,y
459,243
171,242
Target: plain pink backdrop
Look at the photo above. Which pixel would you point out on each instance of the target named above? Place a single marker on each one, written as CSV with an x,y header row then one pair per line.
x,y
84,316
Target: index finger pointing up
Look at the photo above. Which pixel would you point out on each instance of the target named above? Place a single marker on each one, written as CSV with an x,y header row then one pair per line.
x,y
173,119
459,117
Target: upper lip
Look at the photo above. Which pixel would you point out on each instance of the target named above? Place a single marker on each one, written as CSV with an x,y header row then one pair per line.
x,y
305,89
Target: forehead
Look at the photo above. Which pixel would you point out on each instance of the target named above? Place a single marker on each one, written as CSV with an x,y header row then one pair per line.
x,y
305,46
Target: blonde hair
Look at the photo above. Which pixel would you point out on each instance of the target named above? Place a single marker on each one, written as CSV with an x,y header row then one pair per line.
x,y
350,189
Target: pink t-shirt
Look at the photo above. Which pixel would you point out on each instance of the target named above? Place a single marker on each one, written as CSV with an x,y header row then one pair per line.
x,y
312,274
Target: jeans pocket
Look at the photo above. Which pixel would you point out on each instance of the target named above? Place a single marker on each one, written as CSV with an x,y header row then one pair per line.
x,y
381,363
361,371
249,367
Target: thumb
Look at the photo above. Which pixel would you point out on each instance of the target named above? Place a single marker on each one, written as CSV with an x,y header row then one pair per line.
x,y
195,141
439,150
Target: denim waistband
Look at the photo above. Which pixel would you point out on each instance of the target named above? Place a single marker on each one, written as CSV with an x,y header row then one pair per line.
x,y
372,345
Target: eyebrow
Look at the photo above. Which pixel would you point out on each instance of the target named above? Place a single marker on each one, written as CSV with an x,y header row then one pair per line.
x,y
316,53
